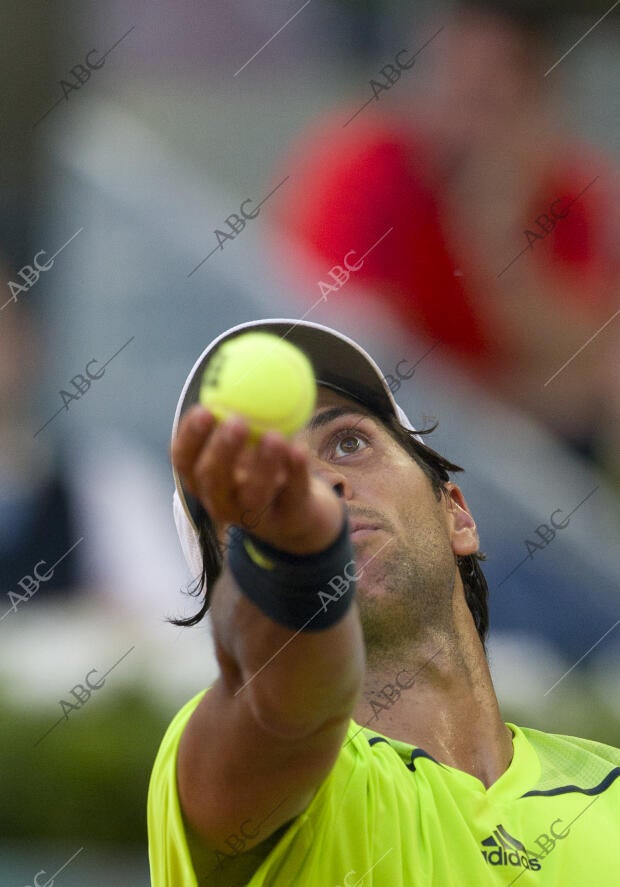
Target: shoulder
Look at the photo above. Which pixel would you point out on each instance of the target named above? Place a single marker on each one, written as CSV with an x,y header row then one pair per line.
x,y
349,184
367,764
569,748
362,137
168,841
583,185
570,763
169,745
369,152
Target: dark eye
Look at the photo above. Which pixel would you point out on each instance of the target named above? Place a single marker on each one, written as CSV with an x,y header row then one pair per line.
x,y
349,443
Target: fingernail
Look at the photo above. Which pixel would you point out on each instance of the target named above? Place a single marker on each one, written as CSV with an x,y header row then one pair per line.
x,y
241,475
235,426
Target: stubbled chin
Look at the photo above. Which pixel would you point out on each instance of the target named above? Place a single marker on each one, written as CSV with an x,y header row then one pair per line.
x,y
371,585
372,592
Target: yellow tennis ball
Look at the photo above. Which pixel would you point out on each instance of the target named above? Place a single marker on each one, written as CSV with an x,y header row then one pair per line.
x,y
263,378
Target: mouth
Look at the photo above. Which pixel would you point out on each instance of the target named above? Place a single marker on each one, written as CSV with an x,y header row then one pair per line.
x,y
358,531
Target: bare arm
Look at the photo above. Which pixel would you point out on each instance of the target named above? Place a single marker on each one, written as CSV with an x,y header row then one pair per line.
x,y
269,730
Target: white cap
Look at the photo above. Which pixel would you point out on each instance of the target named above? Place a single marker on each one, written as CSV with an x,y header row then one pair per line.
x,y
339,363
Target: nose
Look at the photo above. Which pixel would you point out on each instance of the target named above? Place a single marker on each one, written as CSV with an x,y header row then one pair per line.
x,y
332,476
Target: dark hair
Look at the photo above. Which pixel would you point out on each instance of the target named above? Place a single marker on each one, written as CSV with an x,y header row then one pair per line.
x,y
434,466
535,18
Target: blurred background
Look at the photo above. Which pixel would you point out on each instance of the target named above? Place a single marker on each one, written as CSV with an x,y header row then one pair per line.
x,y
463,157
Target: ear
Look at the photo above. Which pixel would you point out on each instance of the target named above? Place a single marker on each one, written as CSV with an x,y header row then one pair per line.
x,y
461,525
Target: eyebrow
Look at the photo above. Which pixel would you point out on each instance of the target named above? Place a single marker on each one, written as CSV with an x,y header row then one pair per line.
x,y
329,415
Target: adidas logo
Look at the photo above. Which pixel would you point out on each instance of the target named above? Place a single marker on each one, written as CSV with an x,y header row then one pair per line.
x,y
503,849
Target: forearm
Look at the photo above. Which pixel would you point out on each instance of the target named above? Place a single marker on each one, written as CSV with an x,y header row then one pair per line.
x,y
295,680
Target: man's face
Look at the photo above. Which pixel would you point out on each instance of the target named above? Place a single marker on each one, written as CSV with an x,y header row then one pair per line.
x,y
406,545
469,108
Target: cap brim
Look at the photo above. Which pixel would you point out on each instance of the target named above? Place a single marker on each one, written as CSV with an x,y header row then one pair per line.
x,y
339,363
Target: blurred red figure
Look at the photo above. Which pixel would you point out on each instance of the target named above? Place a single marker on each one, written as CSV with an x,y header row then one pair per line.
x,y
477,172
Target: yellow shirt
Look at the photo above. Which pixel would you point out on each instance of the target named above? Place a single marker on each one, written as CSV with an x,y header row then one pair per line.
x,y
389,815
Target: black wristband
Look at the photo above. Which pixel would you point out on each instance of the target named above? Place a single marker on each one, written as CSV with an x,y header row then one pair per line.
x,y
303,592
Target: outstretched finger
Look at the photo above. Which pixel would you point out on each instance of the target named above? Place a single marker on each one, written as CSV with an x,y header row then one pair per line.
x,y
195,428
260,480
214,470
298,480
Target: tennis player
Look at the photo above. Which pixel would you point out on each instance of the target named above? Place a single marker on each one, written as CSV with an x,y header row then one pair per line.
x,y
353,735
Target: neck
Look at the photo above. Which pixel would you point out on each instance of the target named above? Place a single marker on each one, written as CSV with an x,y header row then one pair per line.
x,y
437,694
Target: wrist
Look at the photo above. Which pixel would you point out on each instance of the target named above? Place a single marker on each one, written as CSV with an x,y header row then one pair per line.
x,y
307,592
322,534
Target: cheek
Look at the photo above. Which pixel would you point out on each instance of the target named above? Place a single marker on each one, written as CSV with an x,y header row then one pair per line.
x,y
417,509
406,475
401,492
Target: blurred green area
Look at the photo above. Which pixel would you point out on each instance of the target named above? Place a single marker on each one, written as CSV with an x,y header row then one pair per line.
x,y
88,779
